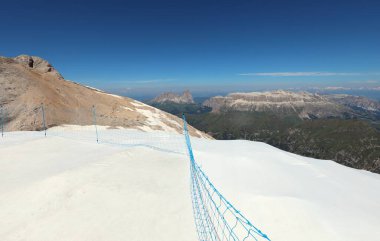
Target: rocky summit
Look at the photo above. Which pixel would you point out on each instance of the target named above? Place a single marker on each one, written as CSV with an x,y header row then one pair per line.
x,y
39,65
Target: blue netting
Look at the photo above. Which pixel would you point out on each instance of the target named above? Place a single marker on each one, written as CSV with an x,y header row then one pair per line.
x,y
83,127
215,217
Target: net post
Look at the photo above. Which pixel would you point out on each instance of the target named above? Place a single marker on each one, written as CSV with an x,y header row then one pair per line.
x,y
43,117
187,138
94,122
2,121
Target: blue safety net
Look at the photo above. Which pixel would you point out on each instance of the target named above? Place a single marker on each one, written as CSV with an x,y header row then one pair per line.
x,y
215,217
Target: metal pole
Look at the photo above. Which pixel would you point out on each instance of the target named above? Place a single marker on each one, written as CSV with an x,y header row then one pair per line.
x,y
43,117
2,122
94,120
187,138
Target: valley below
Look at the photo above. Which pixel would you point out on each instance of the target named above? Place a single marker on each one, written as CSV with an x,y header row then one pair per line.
x,y
342,128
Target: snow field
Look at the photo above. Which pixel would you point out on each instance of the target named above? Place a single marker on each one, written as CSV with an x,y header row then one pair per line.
x,y
58,188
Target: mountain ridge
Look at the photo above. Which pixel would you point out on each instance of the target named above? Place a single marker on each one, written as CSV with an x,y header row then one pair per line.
x,y
306,105
26,84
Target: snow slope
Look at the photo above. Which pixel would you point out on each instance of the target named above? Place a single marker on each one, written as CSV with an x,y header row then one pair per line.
x,y
57,188
291,197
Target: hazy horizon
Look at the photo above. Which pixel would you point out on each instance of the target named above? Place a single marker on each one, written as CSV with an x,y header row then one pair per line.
x,y
145,96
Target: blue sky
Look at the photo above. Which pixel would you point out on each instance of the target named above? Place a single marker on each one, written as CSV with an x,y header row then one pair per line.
x,y
147,46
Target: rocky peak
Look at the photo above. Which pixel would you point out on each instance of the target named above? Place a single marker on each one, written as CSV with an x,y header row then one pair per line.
x,y
38,64
185,98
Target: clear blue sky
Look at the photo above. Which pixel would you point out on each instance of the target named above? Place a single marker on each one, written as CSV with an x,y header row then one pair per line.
x,y
208,45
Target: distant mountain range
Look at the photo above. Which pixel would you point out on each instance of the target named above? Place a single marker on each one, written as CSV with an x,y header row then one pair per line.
x,y
303,104
343,128
356,102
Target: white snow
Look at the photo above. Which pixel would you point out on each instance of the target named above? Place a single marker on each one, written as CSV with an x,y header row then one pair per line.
x,y
116,96
92,88
291,197
155,119
57,188
60,189
138,103
127,108
179,125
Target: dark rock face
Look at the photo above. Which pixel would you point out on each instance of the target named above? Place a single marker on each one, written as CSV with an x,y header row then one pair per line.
x,y
31,62
38,64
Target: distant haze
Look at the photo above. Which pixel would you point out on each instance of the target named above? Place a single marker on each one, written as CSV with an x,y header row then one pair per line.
x,y
144,95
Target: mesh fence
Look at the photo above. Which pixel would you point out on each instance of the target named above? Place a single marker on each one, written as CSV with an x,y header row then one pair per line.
x,y
215,217
44,120
2,121
29,123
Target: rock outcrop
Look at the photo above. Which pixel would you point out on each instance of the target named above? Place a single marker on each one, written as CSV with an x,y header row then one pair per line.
x,y
39,65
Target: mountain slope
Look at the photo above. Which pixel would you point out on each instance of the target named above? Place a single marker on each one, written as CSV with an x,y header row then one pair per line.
x,y
28,81
59,189
293,197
